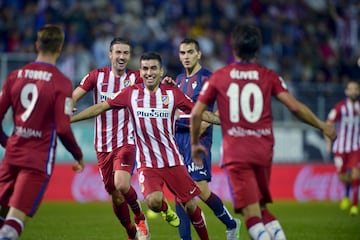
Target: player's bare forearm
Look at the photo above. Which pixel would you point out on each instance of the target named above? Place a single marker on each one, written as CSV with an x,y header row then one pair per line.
x,y
90,112
195,121
210,117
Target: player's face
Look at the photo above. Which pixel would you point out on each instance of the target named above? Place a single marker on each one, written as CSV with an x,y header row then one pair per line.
x,y
352,91
188,55
151,72
119,57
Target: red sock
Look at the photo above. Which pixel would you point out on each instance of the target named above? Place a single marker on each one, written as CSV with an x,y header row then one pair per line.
x,y
355,187
16,224
122,213
198,222
131,199
252,221
267,216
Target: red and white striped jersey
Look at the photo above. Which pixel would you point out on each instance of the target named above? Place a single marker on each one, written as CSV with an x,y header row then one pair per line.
x,y
113,128
153,116
345,116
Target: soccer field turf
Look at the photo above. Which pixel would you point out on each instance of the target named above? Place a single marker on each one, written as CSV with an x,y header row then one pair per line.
x,y
95,221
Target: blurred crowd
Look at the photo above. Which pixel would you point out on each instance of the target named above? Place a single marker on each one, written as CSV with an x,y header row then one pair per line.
x,y
305,41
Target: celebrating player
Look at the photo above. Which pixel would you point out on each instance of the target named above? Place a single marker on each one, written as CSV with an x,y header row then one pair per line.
x,y
346,148
244,90
153,111
114,136
40,97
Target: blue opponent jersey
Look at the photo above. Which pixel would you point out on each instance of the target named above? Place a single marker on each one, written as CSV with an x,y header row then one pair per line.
x,y
192,86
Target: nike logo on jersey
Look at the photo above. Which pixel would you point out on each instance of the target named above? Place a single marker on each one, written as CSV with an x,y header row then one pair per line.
x,y
192,191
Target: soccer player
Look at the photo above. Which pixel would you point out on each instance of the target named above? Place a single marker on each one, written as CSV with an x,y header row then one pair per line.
x,y
40,97
244,90
345,116
153,112
190,82
114,136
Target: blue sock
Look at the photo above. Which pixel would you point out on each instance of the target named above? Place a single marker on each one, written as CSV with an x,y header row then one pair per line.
x,y
221,212
185,227
347,189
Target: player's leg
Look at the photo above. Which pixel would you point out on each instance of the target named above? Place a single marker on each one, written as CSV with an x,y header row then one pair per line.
x,y
197,219
245,190
345,178
184,188
119,205
184,228
272,224
3,212
32,184
355,187
124,159
219,209
344,175
353,164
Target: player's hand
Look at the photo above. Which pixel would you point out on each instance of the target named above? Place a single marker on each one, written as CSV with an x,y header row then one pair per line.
x,y
79,166
329,131
168,80
197,151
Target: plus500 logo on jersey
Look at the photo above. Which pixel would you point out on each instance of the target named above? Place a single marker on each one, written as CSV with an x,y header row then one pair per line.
x,y
152,113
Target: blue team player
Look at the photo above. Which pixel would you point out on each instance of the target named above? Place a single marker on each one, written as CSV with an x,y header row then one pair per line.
x,y
190,82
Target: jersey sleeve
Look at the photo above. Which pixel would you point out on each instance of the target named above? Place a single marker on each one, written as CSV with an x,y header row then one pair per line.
x,y
89,81
279,84
183,102
208,92
121,98
63,106
334,115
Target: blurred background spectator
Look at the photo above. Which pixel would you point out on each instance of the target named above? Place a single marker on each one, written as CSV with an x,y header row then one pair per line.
x,y
309,43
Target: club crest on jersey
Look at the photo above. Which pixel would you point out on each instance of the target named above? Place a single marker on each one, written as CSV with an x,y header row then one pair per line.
x,y
126,82
165,99
193,85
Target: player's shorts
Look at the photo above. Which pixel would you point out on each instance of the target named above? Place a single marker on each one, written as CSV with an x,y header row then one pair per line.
x,y
196,173
121,158
346,161
248,184
22,188
177,180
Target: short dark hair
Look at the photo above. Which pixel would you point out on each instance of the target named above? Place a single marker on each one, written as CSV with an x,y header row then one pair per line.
x,y
191,40
151,56
119,40
246,41
50,38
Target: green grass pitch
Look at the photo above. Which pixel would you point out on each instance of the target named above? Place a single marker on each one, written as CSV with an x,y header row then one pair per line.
x,y
95,221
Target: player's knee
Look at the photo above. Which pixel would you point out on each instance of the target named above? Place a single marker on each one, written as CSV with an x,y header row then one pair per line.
x,y
154,202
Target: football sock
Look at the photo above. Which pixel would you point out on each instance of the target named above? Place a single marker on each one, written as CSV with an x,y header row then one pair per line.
x,y
347,189
198,221
185,228
1,221
272,225
131,199
220,211
256,229
16,224
122,213
355,188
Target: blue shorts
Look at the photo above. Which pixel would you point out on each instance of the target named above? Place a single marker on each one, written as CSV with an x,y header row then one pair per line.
x,y
197,174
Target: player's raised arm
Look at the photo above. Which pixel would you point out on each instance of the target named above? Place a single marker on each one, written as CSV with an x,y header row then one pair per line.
x,y
91,112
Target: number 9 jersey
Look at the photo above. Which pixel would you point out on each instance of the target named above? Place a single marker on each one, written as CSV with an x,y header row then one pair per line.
x,y
40,98
244,92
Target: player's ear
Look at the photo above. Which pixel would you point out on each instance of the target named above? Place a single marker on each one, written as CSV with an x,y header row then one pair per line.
x,y
199,54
